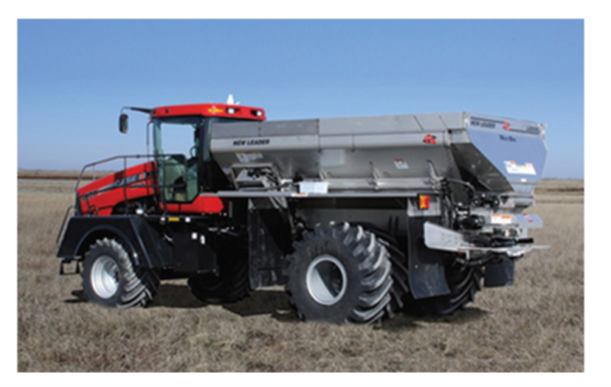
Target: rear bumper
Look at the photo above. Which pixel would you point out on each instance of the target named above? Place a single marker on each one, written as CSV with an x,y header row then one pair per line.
x,y
437,237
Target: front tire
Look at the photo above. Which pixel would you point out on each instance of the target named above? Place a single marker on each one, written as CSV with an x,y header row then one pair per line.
x,y
110,279
340,274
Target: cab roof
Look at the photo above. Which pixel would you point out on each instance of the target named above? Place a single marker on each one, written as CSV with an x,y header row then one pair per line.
x,y
210,110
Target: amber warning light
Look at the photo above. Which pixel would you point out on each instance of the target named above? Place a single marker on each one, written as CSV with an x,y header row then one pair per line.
x,y
424,202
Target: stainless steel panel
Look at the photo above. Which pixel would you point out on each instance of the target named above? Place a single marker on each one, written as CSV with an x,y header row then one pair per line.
x,y
235,129
264,129
368,125
332,142
289,128
430,122
391,152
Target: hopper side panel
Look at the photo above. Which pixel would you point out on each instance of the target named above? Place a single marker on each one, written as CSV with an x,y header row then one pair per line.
x,y
503,154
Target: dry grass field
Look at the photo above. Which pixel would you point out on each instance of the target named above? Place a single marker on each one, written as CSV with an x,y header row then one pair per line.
x,y
537,325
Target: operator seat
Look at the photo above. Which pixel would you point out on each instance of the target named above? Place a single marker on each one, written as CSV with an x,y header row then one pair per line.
x,y
173,178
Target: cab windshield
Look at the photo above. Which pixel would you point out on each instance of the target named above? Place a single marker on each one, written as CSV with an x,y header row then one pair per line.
x,y
176,142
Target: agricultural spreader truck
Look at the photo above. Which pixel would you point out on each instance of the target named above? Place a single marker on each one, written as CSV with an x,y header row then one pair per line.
x,y
358,218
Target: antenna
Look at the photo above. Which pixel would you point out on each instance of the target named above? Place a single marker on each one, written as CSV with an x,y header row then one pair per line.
x,y
230,100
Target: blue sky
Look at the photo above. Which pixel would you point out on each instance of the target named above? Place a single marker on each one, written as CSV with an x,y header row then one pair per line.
x,y
75,75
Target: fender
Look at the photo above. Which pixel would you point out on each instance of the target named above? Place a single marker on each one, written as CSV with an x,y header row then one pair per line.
x,y
146,247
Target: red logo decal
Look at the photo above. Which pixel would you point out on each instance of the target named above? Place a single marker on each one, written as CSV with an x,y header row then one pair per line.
x,y
506,126
430,139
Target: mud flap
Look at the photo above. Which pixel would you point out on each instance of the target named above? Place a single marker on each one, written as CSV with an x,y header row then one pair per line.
x,y
427,280
499,274
426,266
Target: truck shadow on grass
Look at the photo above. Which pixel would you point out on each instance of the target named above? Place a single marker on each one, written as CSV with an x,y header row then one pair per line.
x,y
403,320
275,303
264,302
267,302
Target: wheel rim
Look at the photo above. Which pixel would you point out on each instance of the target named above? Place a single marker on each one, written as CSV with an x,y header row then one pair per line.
x,y
326,280
105,276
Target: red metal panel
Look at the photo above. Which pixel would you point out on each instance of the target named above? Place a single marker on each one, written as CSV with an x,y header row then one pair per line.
x,y
102,195
210,110
201,205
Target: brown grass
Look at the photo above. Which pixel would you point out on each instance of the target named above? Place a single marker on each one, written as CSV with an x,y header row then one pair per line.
x,y
537,325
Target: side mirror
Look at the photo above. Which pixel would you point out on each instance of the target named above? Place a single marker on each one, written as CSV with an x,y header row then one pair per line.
x,y
123,123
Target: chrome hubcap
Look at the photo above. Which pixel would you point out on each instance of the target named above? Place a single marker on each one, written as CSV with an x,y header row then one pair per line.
x,y
326,280
105,277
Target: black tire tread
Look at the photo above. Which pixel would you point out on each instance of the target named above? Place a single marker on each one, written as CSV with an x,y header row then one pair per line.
x,y
399,274
369,257
233,280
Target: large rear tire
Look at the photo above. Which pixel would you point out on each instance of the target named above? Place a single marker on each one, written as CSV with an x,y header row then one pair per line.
x,y
463,281
340,274
110,279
